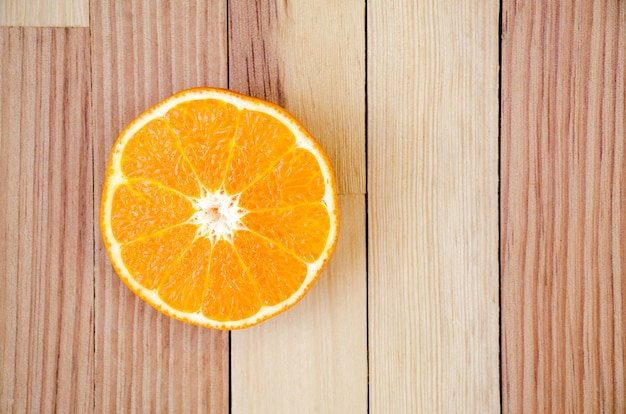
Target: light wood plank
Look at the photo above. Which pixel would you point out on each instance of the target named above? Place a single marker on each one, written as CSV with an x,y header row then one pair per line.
x,y
310,58
143,51
46,225
563,206
433,209
312,358
74,13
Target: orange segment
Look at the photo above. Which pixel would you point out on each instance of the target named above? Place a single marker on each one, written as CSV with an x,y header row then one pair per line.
x,y
140,208
295,179
260,142
183,288
218,209
206,130
231,294
153,150
302,229
277,273
149,258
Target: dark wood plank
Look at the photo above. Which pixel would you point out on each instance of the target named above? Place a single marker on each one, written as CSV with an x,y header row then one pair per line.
x,y
143,51
563,206
46,225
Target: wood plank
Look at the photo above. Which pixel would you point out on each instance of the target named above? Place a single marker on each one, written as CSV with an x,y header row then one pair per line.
x,y
46,292
143,51
308,57
312,358
74,13
563,206
432,82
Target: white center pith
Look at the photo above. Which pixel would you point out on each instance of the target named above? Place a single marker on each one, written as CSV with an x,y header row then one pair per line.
x,y
218,215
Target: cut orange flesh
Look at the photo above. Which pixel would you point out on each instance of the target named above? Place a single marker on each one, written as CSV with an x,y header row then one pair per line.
x,y
218,209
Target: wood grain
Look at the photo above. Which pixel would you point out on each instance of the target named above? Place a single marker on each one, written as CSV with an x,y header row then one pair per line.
x,y
310,58
143,51
74,339
432,206
563,206
73,13
313,358
46,225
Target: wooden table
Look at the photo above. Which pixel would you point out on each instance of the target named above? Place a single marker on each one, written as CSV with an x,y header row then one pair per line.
x,y
479,148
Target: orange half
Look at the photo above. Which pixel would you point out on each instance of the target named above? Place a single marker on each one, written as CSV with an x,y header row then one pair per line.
x,y
218,209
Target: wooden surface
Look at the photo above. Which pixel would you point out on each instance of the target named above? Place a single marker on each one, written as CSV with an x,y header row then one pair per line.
x,y
143,51
563,206
407,99
73,13
432,207
312,359
320,79
46,226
